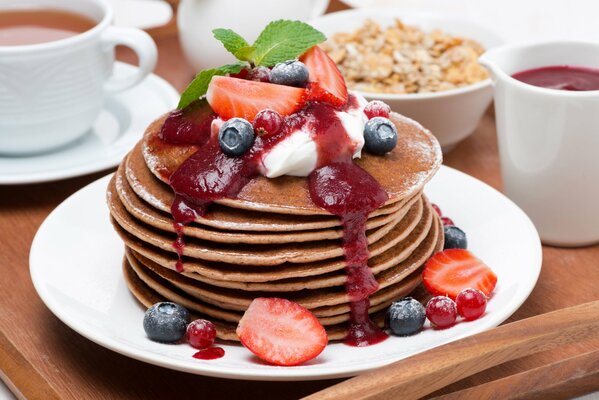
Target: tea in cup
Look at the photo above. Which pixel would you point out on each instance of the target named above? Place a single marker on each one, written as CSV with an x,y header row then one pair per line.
x,y
56,60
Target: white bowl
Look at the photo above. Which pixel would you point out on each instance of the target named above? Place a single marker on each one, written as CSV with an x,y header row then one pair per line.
x,y
451,115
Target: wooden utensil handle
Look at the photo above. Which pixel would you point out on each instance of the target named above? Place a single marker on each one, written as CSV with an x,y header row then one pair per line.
x,y
419,375
574,375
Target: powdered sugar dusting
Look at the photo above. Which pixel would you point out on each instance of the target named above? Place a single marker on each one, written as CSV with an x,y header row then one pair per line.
x,y
142,192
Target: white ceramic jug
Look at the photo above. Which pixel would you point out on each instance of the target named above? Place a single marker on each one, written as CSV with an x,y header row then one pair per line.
x,y
197,18
549,141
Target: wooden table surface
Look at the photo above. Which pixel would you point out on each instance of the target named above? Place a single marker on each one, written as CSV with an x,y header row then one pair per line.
x,y
45,359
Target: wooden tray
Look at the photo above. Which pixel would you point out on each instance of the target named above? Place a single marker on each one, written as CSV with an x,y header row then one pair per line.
x,y
43,359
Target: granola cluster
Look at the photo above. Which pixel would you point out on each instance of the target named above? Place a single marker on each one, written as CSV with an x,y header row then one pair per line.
x,y
405,59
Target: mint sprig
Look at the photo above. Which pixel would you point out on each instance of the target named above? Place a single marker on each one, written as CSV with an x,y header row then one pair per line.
x,y
199,86
232,41
280,41
284,40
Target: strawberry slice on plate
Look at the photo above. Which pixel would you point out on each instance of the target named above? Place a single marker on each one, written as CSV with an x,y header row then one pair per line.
x,y
327,83
449,272
232,97
281,332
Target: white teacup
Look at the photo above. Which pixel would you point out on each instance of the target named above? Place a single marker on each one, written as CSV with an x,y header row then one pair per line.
x,y
51,93
549,141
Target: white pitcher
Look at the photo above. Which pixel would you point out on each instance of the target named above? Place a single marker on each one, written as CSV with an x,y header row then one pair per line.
x,y
197,18
549,141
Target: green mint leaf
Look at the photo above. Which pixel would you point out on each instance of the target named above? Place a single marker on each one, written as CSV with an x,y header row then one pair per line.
x,y
245,53
284,40
199,86
231,40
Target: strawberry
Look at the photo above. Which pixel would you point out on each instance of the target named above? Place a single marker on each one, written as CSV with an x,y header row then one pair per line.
x,y
327,83
232,97
281,332
449,272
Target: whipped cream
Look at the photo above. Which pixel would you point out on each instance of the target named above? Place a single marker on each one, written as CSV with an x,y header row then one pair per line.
x,y
297,154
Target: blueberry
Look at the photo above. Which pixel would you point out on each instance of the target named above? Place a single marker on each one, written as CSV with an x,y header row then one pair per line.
x,y
380,135
455,238
236,136
166,322
290,73
405,316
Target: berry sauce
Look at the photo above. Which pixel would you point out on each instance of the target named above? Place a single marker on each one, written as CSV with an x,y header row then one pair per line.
x,y
561,77
346,190
211,353
337,185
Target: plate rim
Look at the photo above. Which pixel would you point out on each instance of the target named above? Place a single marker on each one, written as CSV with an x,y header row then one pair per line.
x,y
167,91
258,374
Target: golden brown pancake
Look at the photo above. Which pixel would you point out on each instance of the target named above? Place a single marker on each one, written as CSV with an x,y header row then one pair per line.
x,y
291,277
244,254
271,240
414,161
160,196
157,219
239,300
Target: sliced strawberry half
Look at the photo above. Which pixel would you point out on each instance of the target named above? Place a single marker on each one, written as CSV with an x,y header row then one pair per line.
x,y
327,83
232,97
449,272
281,332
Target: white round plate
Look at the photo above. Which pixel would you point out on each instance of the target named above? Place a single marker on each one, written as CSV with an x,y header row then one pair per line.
x,y
76,260
118,127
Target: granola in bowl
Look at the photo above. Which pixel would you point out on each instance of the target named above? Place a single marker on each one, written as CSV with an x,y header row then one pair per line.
x,y
405,59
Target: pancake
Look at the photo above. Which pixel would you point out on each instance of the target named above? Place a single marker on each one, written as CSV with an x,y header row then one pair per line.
x,y
271,240
160,196
239,300
243,254
329,315
289,277
156,219
414,160
224,330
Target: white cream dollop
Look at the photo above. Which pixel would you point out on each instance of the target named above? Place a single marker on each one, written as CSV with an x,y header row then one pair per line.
x,y
297,154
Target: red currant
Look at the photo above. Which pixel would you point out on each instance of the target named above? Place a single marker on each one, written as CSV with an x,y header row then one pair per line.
x,y
267,122
471,303
201,334
259,74
437,209
441,312
447,221
241,74
377,108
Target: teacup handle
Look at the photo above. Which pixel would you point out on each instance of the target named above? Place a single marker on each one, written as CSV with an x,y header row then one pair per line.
x,y
142,44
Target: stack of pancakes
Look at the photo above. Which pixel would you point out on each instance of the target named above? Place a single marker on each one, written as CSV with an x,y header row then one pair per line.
x,y
271,241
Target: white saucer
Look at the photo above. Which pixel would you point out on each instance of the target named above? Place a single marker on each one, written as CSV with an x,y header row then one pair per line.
x,y
76,260
118,127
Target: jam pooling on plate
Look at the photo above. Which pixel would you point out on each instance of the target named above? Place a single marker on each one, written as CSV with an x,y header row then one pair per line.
x,y
337,185
211,353
561,77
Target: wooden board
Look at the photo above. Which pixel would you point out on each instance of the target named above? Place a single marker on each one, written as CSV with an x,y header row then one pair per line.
x,y
48,360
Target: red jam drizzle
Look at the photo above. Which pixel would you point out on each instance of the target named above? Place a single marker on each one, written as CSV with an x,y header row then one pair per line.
x,y
337,185
211,353
346,190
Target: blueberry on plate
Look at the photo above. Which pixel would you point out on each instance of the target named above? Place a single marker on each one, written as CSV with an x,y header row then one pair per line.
x,y
290,73
236,136
405,316
166,322
455,238
380,135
